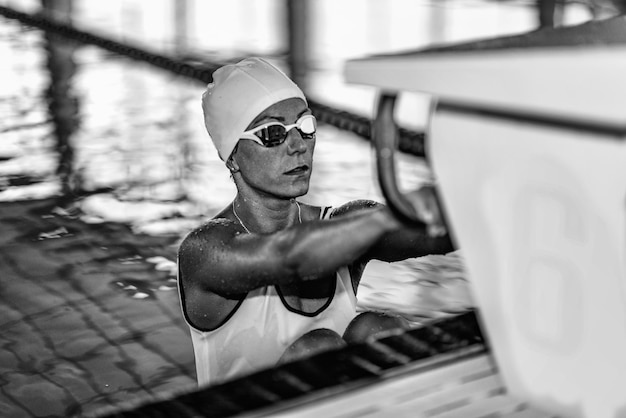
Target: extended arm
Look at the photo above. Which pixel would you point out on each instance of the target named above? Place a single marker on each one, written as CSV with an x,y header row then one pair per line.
x,y
408,240
221,259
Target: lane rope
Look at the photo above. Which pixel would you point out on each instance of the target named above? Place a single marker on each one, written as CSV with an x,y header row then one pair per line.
x,y
410,142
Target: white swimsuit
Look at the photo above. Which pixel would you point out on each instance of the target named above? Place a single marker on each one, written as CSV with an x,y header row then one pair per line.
x,y
262,326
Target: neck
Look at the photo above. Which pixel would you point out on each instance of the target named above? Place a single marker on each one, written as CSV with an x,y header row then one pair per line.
x,y
266,217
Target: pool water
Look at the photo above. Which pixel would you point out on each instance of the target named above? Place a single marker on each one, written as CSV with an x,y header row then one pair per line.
x,y
104,166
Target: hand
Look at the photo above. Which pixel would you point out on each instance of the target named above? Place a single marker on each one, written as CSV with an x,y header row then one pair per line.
x,y
426,205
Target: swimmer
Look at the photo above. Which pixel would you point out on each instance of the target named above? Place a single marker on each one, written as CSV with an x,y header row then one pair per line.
x,y
271,279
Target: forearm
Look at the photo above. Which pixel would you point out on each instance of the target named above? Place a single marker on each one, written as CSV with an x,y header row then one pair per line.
x,y
409,242
418,238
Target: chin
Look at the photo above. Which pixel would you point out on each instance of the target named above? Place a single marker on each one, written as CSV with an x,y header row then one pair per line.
x,y
295,191
300,193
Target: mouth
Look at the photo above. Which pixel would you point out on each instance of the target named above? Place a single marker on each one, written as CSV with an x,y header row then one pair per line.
x,y
301,169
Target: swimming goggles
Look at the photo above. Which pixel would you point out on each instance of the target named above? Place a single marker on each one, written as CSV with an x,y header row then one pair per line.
x,y
274,133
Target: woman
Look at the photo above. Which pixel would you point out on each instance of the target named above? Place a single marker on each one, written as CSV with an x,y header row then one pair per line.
x,y
271,279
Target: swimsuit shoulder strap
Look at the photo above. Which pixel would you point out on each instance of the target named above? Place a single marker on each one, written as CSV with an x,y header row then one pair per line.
x,y
326,212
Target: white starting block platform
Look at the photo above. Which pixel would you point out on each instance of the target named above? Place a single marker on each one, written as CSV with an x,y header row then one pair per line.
x,y
527,141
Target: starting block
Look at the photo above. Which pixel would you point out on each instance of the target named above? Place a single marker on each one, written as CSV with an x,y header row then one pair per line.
x,y
527,140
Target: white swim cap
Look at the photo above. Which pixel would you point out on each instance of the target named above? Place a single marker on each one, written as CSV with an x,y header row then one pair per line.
x,y
238,94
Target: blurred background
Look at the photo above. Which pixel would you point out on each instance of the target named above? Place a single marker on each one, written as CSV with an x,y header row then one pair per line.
x,y
105,165
113,123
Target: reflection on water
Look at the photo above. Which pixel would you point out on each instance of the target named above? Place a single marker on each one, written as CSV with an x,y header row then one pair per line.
x,y
63,104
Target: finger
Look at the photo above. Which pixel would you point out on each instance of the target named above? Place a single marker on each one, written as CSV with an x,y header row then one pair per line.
x,y
436,230
432,217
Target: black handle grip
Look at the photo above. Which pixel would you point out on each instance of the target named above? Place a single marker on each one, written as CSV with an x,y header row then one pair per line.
x,y
385,137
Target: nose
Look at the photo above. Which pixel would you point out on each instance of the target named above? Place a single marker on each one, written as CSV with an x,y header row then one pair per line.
x,y
295,143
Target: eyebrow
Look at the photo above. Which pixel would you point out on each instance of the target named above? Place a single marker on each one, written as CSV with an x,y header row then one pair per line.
x,y
281,118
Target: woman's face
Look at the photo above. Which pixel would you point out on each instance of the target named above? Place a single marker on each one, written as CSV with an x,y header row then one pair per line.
x,y
283,170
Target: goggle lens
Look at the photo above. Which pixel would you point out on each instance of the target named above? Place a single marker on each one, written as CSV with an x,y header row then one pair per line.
x,y
275,133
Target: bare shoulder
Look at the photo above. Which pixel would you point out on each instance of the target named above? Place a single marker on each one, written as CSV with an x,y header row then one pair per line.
x,y
204,245
208,234
355,206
